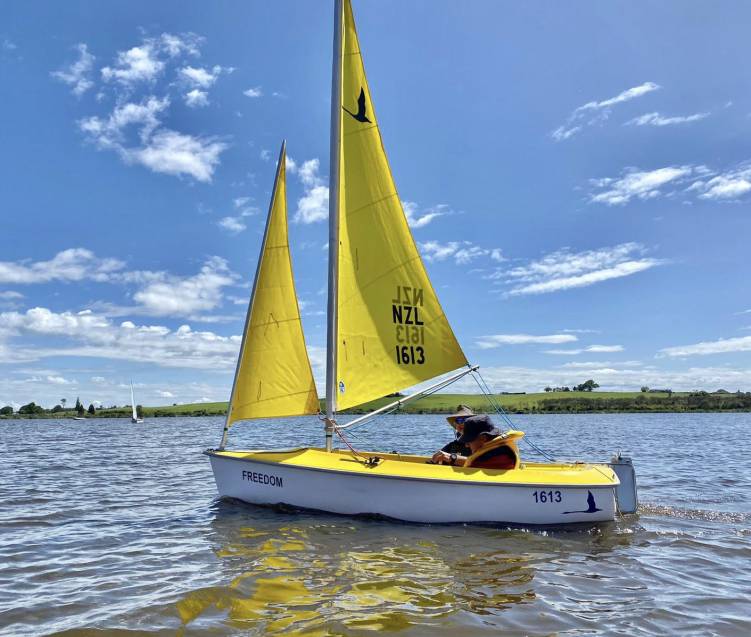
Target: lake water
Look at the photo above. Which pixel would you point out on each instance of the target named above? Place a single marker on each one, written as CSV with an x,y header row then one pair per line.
x,y
109,528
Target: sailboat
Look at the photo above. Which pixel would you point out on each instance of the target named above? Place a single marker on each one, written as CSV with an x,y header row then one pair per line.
x,y
386,332
134,413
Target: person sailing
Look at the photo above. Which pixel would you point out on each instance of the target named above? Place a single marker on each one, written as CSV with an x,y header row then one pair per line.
x,y
456,420
489,447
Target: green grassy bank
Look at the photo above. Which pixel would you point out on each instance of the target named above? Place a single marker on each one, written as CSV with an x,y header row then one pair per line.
x,y
541,403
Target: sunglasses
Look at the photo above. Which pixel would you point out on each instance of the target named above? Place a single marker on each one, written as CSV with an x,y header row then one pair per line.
x,y
459,420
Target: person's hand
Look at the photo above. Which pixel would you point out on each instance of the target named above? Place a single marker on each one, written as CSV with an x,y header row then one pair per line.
x,y
441,457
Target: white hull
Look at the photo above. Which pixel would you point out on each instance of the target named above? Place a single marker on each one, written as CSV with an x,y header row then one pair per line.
x,y
410,499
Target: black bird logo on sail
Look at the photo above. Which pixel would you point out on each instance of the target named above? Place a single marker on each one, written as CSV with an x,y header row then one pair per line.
x,y
360,115
591,505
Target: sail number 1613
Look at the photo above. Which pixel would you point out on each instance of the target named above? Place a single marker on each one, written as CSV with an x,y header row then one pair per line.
x,y
410,355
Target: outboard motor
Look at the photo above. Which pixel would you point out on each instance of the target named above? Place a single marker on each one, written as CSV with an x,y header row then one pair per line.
x,y
625,493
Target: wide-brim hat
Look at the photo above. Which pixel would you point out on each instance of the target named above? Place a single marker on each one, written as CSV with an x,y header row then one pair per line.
x,y
475,426
462,411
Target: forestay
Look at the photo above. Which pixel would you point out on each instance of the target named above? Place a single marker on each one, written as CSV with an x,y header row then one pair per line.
x,y
274,377
392,332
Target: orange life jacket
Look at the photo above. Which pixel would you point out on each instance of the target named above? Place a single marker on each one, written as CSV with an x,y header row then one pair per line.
x,y
508,439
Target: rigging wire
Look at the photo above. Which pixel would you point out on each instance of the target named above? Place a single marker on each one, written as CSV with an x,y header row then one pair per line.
x,y
485,389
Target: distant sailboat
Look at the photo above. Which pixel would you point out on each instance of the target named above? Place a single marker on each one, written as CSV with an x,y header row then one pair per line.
x,y
134,415
386,332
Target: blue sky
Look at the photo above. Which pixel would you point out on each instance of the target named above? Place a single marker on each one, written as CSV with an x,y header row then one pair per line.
x,y
578,178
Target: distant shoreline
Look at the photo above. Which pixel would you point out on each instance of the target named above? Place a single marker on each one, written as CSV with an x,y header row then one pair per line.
x,y
537,403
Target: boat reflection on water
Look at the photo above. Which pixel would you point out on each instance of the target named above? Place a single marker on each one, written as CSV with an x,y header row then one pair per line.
x,y
317,574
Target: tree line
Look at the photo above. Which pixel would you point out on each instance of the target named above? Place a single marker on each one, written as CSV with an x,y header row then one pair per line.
x,y
32,408
587,385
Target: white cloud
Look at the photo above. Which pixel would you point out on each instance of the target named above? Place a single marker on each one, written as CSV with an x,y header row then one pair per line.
x,y
175,45
110,132
624,96
40,320
655,119
165,394
255,91
243,207
416,220
591,349
199,77
729,185
627,268
563,133
146,62
593,112
184,296
720,346
196,98
604,348
90,335
59,380
314,204
163,150
599,364
158,293
265,155
563,269
134,129
174,153
139,64
73,264
436,251
9,295
496,340
697,180
463,252
233,225
635,183
78,74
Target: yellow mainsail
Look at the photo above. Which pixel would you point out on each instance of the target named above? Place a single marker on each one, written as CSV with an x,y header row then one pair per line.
x,y
274,377
391,330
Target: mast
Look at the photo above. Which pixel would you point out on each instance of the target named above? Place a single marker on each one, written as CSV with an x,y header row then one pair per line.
x,y
334,168
279,166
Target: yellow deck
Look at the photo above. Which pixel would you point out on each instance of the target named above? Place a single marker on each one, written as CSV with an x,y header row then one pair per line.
x,y
415,467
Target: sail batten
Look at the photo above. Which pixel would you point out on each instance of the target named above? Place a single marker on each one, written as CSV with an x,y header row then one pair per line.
x,y
274,376
391,332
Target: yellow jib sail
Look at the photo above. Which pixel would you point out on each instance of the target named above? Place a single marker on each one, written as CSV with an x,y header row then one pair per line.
x,y
392,332
274,377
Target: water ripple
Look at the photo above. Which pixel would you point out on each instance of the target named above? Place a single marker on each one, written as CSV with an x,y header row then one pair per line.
x,y
109,528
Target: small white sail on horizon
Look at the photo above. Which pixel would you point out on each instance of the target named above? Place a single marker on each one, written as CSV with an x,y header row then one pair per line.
x,y
134,413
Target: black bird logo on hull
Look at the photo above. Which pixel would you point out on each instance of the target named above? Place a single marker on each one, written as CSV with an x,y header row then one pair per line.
x,y
592,506
360,115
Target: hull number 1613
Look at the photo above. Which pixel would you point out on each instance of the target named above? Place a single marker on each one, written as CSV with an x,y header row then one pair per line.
x,y
547,496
